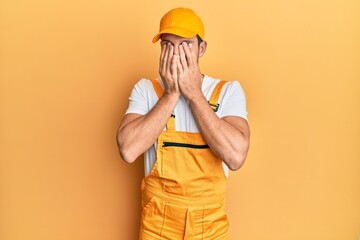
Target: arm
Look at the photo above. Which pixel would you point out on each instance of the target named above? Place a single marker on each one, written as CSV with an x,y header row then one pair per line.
x,y
138,132
228,137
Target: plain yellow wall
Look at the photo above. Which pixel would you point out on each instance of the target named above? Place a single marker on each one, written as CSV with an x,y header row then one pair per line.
x,y
68,67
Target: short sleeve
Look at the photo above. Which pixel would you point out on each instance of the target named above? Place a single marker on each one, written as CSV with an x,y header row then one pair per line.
x,y
233,101
138,99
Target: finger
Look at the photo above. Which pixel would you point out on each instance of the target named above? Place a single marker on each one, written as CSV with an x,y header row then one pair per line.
x,y
183,60
164,60
169,57
174,63
189,53
179,67
163,50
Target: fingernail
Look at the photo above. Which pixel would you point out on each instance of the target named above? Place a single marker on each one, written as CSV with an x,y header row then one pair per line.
x,y
190,45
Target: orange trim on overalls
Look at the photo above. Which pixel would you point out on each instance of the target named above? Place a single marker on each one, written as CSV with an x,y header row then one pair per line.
x,y
170,125
215,96
183,197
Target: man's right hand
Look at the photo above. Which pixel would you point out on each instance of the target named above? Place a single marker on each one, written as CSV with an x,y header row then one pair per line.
x,y
138,132
168,69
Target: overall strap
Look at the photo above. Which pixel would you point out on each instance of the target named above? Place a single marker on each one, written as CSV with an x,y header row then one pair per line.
x,y
214,99
170,125
157,87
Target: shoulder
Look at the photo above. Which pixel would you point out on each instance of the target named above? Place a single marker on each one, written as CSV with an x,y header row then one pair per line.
x,y
142,98
231,86
208,85
234,87
145,86
233,92
209,81
144,83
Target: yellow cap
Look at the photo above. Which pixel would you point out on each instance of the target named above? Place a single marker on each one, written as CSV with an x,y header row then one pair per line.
x,y
182,22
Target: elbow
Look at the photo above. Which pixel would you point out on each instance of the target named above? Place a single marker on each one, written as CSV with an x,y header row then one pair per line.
x,y
126,156
236,163
125,152
237,160
127,159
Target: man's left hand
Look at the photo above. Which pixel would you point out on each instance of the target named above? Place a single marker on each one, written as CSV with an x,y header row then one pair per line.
x,y
189,75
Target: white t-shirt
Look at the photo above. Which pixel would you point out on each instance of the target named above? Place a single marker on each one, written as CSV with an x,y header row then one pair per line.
x,y
143,98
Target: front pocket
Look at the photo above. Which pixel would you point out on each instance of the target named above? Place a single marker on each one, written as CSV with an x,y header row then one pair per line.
x,y
148,203
184,145
216,223
153,216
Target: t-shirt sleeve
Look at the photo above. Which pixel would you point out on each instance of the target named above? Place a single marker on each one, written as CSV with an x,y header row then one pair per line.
x,y
138,99
234,101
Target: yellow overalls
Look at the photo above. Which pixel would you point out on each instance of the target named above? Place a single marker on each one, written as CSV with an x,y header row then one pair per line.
x,y
183,196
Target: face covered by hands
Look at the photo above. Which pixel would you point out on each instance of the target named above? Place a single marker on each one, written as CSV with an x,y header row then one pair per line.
x,y
179,67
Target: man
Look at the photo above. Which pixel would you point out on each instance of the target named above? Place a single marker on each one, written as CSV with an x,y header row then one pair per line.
x,y
192,128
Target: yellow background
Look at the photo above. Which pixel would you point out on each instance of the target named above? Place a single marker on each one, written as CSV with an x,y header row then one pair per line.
x,y
68,67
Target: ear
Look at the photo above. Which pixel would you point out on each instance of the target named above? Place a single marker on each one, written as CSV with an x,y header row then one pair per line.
x,y
202,48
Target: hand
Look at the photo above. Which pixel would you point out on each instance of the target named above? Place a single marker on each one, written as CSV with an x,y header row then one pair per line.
x,y
168,69
189,75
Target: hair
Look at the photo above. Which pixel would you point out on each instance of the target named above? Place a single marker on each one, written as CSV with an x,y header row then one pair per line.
x,y
199,39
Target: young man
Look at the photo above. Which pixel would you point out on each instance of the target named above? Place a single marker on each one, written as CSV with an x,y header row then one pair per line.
x,y
192,128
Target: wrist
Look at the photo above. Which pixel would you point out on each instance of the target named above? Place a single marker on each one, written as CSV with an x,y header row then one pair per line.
x,y
171,95
196,98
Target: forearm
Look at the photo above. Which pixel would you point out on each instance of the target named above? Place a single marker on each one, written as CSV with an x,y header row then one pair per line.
x,y
137,134
228,141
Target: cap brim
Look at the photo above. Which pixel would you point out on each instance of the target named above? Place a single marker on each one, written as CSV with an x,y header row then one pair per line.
x,y
176,31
